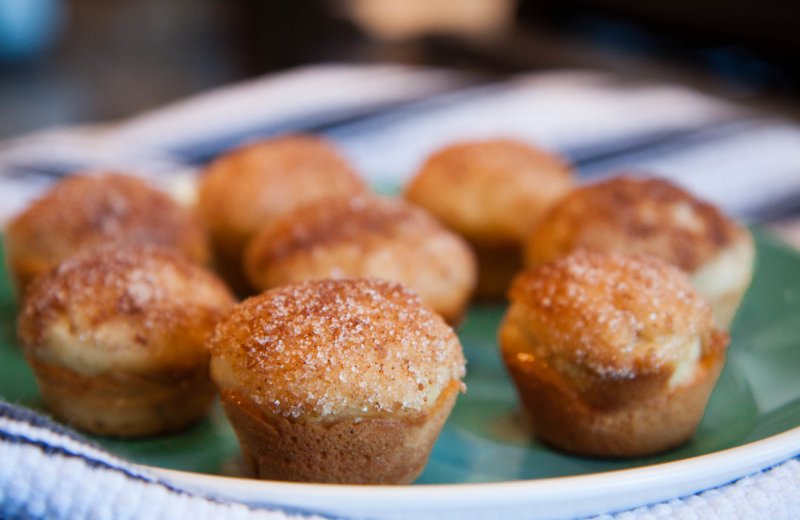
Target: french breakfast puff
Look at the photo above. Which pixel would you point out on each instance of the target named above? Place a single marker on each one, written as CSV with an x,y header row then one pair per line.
x,y
492,193
116,339
612,356
83,211
366,237
654,217
338,381
249,187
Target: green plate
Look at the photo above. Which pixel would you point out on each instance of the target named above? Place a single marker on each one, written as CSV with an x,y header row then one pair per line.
x,y
485,440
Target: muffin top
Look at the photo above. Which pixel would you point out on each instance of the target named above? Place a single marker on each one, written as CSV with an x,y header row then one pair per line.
x,y
87,210
328,349
361,236
358,220
613,316
127,308
634,216
490,191
248,187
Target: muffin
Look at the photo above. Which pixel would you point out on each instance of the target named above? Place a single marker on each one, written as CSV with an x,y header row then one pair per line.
x,y
249,187
366,237
612,356
339,381
492,193
85,211
653,217
116,339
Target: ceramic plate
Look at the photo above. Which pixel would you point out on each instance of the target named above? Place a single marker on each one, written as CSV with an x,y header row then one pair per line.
x,y
485,460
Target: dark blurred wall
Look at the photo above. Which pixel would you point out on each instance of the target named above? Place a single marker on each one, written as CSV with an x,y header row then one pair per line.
x,y
108,59
115,57
752,43
766,25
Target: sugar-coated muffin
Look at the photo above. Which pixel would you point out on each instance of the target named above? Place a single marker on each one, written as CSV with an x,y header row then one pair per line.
x,y
116,339
653,217
366,236
340,381
245,189
492,193
88,210
612,355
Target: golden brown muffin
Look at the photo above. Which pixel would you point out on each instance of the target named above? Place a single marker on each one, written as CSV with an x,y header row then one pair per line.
x,y
344,381
652,217
85,211
245,189
366,237
612,356
492,193
116,339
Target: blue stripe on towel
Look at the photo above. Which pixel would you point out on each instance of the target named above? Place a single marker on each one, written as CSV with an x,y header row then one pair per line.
x,y
50,446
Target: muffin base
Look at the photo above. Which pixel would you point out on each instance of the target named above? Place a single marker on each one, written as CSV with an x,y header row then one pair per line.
x,y
497,267
123,405
228,265
370,450
562,419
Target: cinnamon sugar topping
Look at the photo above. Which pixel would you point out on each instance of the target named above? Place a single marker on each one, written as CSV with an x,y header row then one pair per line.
x,y
122,307
326,348
634,216
612,314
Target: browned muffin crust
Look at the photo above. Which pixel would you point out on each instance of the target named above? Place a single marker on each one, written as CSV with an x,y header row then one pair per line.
x,y
634,216
116,336
606,312
612,355
373,450
353,378
150,295
122,404
366,237
244,189
491,192
88,210
330,348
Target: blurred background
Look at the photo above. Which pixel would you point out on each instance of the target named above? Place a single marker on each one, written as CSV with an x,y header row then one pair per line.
x,y
70,61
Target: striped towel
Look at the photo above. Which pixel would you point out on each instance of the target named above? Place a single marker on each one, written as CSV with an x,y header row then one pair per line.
x,y
48,471
387,119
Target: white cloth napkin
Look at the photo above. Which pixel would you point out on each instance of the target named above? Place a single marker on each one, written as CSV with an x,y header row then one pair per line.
x,y
48,471
387,119
773,494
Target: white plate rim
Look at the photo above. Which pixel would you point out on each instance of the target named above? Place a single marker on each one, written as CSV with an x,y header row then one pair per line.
x,y
552,497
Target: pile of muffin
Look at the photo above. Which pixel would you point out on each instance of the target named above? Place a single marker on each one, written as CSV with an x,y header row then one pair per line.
x,y
341,365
